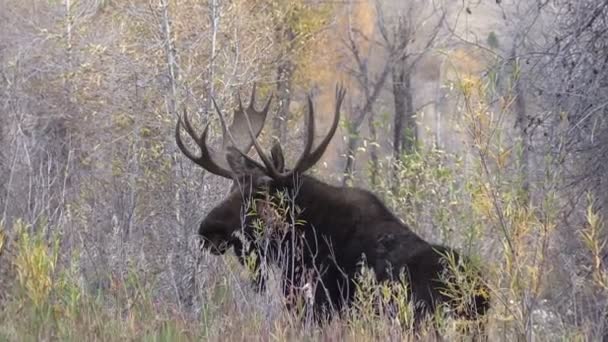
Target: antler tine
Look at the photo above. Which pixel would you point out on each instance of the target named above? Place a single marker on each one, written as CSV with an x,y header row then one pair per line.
x,y
225,129
180,143
189,128
267,105
240,133
252,100
314,157
232,140
205,160
270,169
310,136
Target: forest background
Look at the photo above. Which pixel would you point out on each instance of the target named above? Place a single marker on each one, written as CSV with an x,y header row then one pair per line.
x,y
482,125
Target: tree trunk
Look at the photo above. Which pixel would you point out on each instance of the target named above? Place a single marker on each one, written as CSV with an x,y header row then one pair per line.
x,y
353,141
355,122
353,138
520,108
284,77
373,150
285,69
3,154
208,88
521,124
405,132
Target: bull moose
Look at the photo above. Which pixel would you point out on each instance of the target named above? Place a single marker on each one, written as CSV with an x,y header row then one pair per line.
x,y
327,232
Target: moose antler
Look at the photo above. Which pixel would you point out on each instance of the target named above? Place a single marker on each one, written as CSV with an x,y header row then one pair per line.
x,y
241,134
314,157
306,159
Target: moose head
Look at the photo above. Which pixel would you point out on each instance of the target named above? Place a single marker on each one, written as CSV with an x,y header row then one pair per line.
x,y
249,176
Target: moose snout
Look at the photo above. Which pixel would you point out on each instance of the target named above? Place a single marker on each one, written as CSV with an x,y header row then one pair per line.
x,y
214,243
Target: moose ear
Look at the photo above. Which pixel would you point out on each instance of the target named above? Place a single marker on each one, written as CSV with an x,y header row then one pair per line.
x,y
277,157
239,165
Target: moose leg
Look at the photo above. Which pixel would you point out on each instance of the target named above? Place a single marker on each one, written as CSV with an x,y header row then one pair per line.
x,y
333,292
